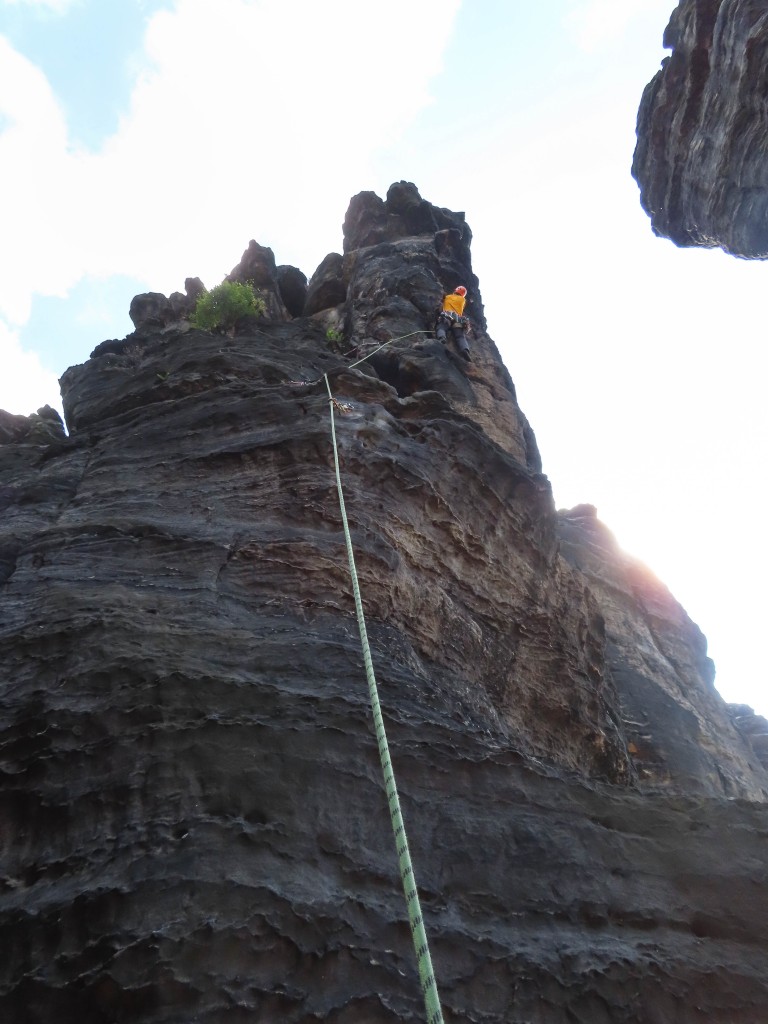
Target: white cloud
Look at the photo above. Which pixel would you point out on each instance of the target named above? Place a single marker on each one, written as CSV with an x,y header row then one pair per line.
x,y
39,247
598,23
258,122
24,384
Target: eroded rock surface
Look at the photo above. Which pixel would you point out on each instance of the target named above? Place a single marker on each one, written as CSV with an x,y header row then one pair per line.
x,y
42,427
678,729
702,153
292,285
153,309
326,288
194,826
753,726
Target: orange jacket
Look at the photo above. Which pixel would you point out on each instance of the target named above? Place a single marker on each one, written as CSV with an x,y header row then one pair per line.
x,y
455,303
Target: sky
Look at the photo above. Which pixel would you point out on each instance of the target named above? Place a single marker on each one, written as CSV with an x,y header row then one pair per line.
x,y
146,141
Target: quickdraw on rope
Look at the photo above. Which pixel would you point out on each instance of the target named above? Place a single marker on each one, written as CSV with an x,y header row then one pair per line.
x,y
418,932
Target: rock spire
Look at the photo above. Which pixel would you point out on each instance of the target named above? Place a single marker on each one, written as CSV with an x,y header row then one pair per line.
x,y
193,822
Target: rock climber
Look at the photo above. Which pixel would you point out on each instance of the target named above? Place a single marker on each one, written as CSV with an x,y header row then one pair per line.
x,y
451,318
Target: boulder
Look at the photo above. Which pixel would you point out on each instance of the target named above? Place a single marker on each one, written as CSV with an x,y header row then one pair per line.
x,y
326,287
151,309
292,285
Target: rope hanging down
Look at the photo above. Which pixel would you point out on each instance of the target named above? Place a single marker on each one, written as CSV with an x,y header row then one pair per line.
x,y
418,932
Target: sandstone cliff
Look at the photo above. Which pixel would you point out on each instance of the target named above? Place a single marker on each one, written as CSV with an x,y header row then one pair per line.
x,y
702,152
194,826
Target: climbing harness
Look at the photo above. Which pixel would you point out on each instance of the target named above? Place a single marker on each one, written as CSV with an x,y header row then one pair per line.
x,y
455,319
415,918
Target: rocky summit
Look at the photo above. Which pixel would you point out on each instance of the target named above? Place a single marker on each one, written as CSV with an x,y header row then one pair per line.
x,y
702,153
194,824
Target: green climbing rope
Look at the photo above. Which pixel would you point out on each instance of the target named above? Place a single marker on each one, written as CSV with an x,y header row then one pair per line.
x,y
415,918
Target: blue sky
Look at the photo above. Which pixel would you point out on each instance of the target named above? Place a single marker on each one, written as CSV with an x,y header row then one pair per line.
x,y
144,142
87,55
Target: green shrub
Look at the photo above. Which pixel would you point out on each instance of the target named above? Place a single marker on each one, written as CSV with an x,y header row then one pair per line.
x,y
333,335
224,305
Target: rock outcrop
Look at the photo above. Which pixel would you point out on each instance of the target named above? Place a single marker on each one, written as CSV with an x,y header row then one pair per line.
x,y
257,268
702,152
194,826
292,285
42,427
753,726
153,309
327,288
673,720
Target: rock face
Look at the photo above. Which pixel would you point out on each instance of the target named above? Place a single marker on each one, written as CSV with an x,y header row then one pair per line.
x,y
194,826
327,289
702,152
292,285
672,717
755,727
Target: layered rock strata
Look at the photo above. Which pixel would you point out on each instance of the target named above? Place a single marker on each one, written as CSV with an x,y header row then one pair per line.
x,y
702,152
194,823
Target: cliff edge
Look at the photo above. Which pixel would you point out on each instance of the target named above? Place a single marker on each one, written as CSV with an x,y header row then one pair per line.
x,y
702,130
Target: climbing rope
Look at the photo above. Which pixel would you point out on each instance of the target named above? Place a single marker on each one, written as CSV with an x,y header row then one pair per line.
x,y
351,366
389,342
415,918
